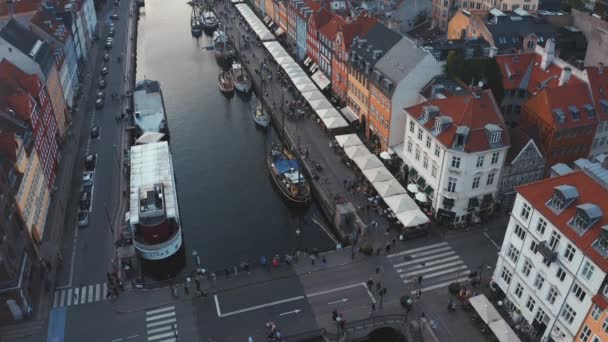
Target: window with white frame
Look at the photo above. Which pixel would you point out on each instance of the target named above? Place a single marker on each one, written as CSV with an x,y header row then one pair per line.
x,y
578,292
409,146
513,253
526,268
568,313
479,161
596,312
588,270
494,137
475,184
519,231
569,252
451,184
560,274
554,240
456,162
585,333
417,155
539,281
490,179
428,142
605,325
542,225
436,150
530,303
420,134
495,157
533,246
412,126
519,290
506,275
525,211
552,295
434,170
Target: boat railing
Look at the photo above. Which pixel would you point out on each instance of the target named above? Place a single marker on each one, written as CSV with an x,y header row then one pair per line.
x,y
144,247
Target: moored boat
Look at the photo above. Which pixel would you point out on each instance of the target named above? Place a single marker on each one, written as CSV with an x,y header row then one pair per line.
x,y
287,176
241,79
195,26
209,20
224,81
221,45
260,117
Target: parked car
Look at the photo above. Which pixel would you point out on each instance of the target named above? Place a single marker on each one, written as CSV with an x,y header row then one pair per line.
x,y
102,83
112,32
88,178
83,218
116,2
101,94
95,132
99,103
85,200
104,71
108,45
90,161
114,16
106,57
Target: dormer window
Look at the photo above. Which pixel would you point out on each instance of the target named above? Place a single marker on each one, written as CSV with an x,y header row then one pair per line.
x,y
494,137
590,110
493,131
601,245
563,196
428,112
559,115
441,123
576,114
586,215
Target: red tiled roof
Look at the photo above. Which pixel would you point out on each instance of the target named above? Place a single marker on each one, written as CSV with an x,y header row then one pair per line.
x,y
330,29
598,82
21,6
538,193
600,301
43,21
548,99
320,18
359,27
549,77
514,68
466,110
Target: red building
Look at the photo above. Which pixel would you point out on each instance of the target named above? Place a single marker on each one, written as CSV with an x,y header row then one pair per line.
x,y
317,20
25,96
563,122
326,37
341,50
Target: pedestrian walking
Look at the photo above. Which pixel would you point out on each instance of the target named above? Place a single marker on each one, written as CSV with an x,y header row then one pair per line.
x,y
275,261
378,251
345,183
373,309
419,279
312,259
378,286
418,294
186,289
369,284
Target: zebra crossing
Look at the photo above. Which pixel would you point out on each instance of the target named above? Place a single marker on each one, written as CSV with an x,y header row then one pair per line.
x,y
161,325
437,264
80,295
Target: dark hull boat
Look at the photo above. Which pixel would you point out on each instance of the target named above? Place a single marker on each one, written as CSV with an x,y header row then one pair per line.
x,y
287,176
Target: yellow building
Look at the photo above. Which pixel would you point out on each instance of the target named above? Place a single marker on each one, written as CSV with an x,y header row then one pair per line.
x,y
357,94
33,197
595,324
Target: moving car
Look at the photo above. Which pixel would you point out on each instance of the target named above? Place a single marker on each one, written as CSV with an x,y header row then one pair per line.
x,y
114,16
90,161
83,218
102,83
104,71
87,178
85,200
95,132
108,45
99,103
101,94
106,57
112,32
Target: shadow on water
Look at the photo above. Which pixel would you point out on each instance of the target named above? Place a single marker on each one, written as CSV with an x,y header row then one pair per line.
x,y
230,211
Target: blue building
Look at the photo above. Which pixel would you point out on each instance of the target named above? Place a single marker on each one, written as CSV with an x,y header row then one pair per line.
x,y
302,30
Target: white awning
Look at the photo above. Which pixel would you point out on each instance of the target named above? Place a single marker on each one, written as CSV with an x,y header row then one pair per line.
x,y
278,32
388,188
412,218
284,60
379,174
327,113
255,23
484,308
321,80
400,203
305,87
348,140
356,152
503,331
300,80
368,162
149,137
334,123
320,104
307,61
313,95
349,114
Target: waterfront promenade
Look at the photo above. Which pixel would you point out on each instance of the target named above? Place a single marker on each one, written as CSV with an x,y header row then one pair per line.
x,y
306,132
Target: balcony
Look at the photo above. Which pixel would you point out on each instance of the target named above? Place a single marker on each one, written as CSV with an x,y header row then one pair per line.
x,y
546,251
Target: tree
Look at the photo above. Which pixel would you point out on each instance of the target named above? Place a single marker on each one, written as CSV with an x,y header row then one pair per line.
x,y
472,71
420,17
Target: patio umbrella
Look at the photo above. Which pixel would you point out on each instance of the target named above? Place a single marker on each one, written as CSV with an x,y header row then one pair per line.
x,y
412,218
503,331
400,203
367,162
348,140
380,174
389,188
421,197
356,151
413,188
385,155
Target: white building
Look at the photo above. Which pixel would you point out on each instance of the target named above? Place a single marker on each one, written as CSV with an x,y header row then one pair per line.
x,y
553,259
455,148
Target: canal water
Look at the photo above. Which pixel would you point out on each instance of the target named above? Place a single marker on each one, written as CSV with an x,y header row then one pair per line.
x,y
230,210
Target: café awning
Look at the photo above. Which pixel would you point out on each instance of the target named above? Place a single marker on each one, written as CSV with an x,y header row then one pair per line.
x,y
389,188
356,151
348,140
349,114
400,203
379,174
334,123
367,162
503,331
484,308
255,23
313,95
321,80
412,218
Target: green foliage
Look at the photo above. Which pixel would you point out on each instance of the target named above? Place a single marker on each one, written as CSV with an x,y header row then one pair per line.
x,y
366,249
420,17
471,71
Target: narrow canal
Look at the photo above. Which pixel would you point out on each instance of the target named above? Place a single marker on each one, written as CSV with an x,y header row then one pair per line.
x,y
230,210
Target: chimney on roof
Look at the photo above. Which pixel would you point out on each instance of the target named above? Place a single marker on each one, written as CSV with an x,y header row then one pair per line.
x,y
600,68
565,76
548,54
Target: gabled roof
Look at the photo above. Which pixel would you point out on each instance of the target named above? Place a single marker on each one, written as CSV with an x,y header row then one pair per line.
x,y
378,38
50,25
29,44
20,6
509,31
519,142
359,27
598,83
589,191
319,18
548,78
465,111
514,69
330,29
548,102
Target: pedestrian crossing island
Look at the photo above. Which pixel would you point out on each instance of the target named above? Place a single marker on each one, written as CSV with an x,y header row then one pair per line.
x,y
429,267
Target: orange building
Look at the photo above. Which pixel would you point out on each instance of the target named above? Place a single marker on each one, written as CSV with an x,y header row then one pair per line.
x,y
595,324
282,18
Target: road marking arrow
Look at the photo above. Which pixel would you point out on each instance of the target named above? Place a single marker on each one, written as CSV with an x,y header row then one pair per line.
x,y
290,312
343,300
